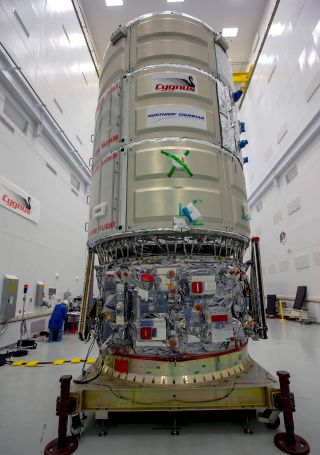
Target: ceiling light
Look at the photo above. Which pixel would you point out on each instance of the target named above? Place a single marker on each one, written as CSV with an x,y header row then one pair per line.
x,y
175,1
85,67
313,58
266,59
114,2
302,59
316,33
59,6
276,29
229,32
75,40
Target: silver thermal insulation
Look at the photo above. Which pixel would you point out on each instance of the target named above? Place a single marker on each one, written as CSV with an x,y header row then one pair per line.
x,y
172,308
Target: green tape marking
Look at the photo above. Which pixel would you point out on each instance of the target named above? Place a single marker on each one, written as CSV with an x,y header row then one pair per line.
x,y
179,161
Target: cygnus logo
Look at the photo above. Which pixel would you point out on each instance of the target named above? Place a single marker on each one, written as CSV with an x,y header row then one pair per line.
x,y
175,82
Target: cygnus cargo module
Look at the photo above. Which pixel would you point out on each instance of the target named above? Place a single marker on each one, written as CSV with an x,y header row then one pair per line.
x,y
169,217
168,230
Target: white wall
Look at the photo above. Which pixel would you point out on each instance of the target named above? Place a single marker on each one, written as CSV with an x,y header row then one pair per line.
x,y
45,40
56,62
297,261
281,111
37,252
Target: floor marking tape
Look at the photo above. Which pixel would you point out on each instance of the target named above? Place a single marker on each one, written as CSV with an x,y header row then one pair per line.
x,y
34,363
92,360
76,360
59,362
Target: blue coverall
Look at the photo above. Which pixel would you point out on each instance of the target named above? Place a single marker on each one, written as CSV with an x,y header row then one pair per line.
x,y
57,319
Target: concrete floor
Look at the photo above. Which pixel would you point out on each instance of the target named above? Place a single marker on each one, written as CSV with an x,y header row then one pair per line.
x,y
28,395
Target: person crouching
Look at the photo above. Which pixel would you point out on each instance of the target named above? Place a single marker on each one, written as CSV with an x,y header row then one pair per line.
x,y
57,319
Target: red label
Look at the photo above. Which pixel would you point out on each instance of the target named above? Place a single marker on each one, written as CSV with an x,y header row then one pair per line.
x,y
146,333
121,365
174,87
109,141
107,94
197,287
219,318
147,277
104,227
96,152
107,159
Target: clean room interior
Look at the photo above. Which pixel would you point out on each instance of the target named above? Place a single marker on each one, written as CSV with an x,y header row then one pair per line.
x,y
173,207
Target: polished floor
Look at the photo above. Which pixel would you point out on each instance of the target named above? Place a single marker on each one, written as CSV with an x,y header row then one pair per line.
x,y
28,395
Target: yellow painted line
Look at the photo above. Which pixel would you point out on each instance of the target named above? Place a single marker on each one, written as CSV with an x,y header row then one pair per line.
x,y
18,363
76,360
33,363
59,362
92,360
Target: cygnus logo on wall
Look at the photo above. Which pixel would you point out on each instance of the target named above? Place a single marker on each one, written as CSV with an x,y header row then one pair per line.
x,y
15,199
175,82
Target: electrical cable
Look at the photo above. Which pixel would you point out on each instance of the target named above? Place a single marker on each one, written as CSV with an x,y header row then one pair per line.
x,y
3,359
86,381
95,332
88,353
23,328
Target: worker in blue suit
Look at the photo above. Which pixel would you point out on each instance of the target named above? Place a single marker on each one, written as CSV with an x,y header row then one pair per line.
x,y
57,319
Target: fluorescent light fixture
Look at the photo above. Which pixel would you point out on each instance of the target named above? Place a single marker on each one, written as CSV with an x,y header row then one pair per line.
x,y
302,59
85,67
316,33
74,40
313,58
175,1
230,32
265,59
114,2
276,29
59,6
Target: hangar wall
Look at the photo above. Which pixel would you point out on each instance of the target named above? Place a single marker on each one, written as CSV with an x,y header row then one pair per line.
x,y
56,244
48,78
45,40
281,110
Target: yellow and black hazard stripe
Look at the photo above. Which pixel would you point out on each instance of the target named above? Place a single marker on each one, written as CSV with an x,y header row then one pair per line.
x,y
37,363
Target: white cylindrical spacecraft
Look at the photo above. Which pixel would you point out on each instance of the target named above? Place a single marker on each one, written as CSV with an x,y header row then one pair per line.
x,y
169,216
